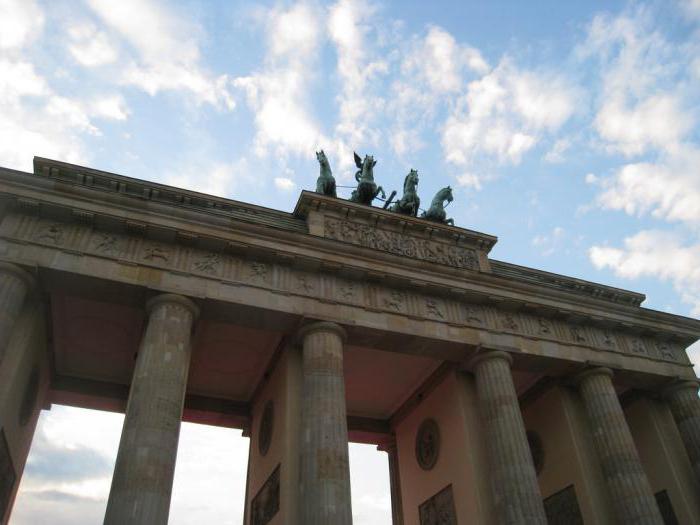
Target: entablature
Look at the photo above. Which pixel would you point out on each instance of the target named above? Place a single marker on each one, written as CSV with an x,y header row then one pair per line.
x,y
333,268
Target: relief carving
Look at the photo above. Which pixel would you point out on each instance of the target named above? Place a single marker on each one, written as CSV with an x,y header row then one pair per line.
x,y
544,326
577,334
637,346
258,272
266,502
439,509
155,251
107,244
665,351
52,233
472,315
305,283
508,321
208,263
608,339
427,444
434,308
401,244
346,291
396,301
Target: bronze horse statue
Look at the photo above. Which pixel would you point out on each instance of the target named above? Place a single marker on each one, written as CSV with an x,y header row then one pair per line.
x,y
325,184
409,202
436,212
367,190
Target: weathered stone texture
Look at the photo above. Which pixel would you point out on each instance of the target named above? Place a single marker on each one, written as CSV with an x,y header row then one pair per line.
x,y
513,480
14,285
325,470
143,474
627,483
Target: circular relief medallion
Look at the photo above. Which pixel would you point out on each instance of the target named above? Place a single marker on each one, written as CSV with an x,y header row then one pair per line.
x,y
31,392
427,444
536,450
265,433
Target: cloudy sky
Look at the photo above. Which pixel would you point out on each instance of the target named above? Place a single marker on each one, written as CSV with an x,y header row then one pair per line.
x,y
568,129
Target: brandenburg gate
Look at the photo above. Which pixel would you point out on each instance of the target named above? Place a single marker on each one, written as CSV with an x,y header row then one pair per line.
x,y
501,394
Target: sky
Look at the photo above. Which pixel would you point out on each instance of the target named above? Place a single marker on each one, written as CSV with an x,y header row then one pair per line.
x,y
568,129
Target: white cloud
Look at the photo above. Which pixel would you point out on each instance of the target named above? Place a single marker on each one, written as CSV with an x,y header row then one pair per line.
x,y
668,189
36,121
91,47
441,62
549,243
284,183
213,178
279,93
556,153
658,121
110,107
167,55
659,254
21,21
349,28
505,113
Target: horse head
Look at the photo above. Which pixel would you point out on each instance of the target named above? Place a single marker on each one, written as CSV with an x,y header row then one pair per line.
x,y
365,167
446,194
411,181
321,157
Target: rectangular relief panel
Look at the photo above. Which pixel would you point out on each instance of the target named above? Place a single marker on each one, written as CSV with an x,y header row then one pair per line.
x,y
439,509
562,508
267,501
667,512
7,475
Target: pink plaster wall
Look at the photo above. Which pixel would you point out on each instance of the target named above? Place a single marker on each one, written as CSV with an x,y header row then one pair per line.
x,y
569,458
664,457
284,388
461,461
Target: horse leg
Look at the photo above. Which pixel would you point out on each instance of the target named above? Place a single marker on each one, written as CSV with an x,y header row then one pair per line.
x,y
451,222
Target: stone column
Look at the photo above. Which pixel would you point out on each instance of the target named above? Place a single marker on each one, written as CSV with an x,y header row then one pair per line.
x,y
514,484
15,283
682,398
325,470
630,492
143,474
394,482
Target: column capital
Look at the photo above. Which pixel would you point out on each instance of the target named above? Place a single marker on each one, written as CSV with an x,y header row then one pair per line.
x,y
676,386
322,326
590,372
488,355
13,269
181,300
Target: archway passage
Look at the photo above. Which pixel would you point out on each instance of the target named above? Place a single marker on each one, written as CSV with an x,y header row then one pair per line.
x,y
69,470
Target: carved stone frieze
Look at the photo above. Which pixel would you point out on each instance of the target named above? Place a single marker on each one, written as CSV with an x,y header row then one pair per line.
x,y
397,243
326,286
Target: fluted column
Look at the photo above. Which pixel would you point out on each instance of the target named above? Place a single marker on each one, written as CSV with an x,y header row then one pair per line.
x,y
629,488
683,400
15,283
143,474
325,470
513,479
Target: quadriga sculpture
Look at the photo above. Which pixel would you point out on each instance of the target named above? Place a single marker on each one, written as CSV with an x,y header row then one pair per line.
x,y
436,212
367,189
409,203
325,184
